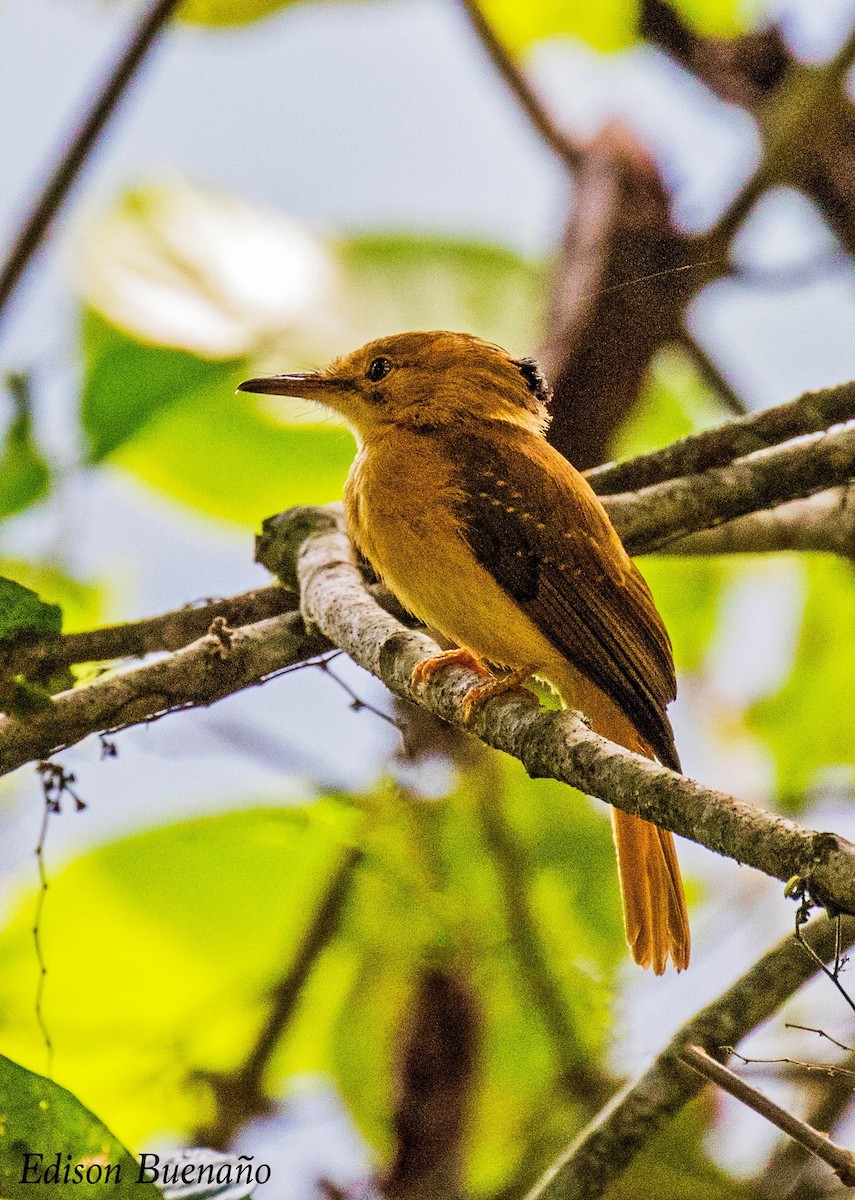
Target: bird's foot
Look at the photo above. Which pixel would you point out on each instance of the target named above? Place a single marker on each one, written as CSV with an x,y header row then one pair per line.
x,y
426,670
497,686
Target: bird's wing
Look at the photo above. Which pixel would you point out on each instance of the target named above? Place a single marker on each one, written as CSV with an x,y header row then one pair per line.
x,y
535,524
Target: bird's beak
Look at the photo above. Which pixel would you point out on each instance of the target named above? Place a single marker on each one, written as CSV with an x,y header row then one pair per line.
x,y
313,386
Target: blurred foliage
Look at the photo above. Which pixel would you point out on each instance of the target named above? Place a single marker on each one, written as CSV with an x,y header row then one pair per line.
x,y
167,412
40,1118
607,25
808,723
22,611
24,473
131,1030
228,12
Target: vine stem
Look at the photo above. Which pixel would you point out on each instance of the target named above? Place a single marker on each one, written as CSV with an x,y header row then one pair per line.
x,y
79,147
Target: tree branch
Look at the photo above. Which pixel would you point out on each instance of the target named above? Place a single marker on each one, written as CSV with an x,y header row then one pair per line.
x,y
709,373
135,639
627,1125
824,522
207,670
813,412
841,1161
787,1175
534,108
655,516
555,744
239,1094
79,147
785,120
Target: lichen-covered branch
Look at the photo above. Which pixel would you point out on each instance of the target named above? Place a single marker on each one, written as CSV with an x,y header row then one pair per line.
x,y
656,516
811,413
135,639
214,666
555,744
824,522
226,660
628,1124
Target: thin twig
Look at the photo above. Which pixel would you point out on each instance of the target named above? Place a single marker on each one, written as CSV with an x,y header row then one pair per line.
x,y
79,147
784,1176
821,1033
710,373
534,108
841,1161
812,412
833,973
627,1125
239,1094
813,1068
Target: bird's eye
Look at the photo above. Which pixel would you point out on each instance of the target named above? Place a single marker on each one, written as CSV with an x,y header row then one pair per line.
x,y
378,370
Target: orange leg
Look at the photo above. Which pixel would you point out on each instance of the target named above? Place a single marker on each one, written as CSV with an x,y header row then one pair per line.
x,y
498,686
426,670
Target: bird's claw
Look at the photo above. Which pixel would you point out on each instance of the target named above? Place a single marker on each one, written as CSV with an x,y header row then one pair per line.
x,y
502,686
424,671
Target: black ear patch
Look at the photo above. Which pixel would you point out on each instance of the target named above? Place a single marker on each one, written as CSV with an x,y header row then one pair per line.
x,y
534,379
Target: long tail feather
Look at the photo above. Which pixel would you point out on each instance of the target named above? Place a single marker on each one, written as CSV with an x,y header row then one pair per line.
x,y
654,905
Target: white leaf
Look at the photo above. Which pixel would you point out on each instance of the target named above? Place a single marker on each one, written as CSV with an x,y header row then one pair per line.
x,y
178,266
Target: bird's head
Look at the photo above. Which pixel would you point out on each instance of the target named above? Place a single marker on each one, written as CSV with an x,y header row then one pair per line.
x,y
421,380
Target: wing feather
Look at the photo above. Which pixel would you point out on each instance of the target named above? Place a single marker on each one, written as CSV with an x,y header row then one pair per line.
x,y
536,525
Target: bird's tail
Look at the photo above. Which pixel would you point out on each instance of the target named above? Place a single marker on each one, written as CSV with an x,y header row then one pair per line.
x,y
654,905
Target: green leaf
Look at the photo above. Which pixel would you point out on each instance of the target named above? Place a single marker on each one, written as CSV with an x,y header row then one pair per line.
x,y
808,723
408,281
607,25
41,1119
24,474
127,383
172,982
229,456
82,604
23,612
228,12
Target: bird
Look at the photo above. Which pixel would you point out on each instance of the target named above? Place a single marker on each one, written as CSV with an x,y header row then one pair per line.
x,y
490,537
